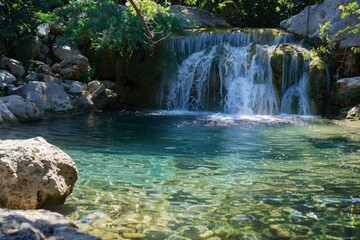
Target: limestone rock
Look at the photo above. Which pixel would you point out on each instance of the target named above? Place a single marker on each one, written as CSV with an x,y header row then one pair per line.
x,y
24,110
15,67
48,96
98,91
38,224
84,101
72,67
320,14
93,85
6,115
6,79
194,17
34,174
346,84
43,30
51,79
354,113
63,51
76,87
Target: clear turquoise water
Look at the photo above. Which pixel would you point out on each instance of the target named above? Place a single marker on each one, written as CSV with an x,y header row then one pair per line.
x,y
263,177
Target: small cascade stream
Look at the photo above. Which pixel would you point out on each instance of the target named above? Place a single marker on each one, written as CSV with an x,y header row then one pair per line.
x,y
232,73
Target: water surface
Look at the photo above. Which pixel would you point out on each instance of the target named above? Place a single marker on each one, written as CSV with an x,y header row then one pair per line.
x,y
256,177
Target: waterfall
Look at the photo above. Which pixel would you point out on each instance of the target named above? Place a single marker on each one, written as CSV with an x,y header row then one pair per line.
x,y
231,73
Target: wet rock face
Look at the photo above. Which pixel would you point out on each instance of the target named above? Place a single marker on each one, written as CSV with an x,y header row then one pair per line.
x,y
34,174
40,224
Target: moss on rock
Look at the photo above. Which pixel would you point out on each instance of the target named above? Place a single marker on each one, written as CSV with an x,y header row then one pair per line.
x,y
317,86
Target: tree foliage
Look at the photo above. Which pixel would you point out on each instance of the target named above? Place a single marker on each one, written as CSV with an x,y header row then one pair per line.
x,y
18,22
251,13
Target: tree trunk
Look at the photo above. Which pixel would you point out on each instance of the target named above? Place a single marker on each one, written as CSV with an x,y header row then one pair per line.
x,y
148,32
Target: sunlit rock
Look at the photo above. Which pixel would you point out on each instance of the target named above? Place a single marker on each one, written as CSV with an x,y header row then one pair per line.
x,y
48,96
34,174
328,11
354,113
24,110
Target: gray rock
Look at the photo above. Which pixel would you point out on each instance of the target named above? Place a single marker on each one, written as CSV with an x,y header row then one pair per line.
x,y
93,85
84,101
346,84
6,116
73,67
99,90
45,50
63,51
43,30
320,14
76,87
38,224
6,78
24,110
33,76
13,66
48,96
194,17
34,174
51,79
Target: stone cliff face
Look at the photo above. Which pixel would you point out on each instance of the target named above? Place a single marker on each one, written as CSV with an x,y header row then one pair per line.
x,y
328,11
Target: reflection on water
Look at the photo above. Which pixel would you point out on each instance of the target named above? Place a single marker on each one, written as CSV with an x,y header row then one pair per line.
x,y
255,177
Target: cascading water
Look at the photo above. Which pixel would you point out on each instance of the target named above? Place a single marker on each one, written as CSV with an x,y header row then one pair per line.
x,y
232,73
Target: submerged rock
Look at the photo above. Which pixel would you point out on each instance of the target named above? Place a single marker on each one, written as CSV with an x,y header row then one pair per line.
x,y
38,224
34,174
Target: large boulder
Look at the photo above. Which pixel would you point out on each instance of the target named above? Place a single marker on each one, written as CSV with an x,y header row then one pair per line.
x,y
13,66
73,67
6,116
62,51
194,17
23,110
48,96
346,84
38,224
34,174
328,11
